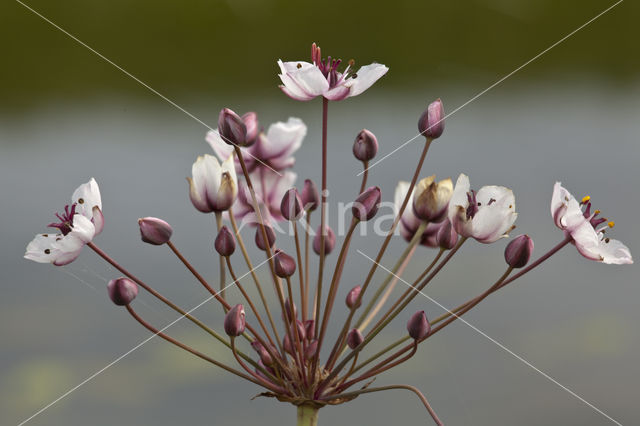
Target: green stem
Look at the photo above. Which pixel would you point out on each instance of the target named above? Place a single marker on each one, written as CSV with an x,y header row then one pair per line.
x,y
307,415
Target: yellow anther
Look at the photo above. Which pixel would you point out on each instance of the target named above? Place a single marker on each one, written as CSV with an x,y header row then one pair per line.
x,y
597,212
611,224
585,199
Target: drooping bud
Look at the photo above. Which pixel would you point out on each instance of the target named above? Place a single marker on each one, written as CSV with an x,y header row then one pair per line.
x,y
518,251
329,241
365,147
310,197
366,205
354,338
250,120
309,327
447,237
431,199
287,308
267,369
431,122
234,321
154,231
271,236
262,352
418,326
291,206
284,264
225,243
122,291
232,128
352,297
311,350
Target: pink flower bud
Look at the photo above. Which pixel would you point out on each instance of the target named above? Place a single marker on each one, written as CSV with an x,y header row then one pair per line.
x,y
232,128
309,328
447,237
287,308
154,231
291,205
431,199
329,241
311,350
250,120
518,251
122,291
271,236
286,344
225,243
284,264
365,146
366,205
352,297
418,326
310,197
431,122
354,338
267,369
264,354
234,321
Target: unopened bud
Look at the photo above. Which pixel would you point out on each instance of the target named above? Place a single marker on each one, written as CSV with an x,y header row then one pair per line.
x,y
352,297
262,352
266,368
431,122
154,231
354,338
518,251
366,205
311,350
431,199
122,291
284,264
234,321
329,241
231,128
250,120
302,333
286,344
418,326
310,197
291,205
365,146
309,327
225,243
287,308
271,236
447,237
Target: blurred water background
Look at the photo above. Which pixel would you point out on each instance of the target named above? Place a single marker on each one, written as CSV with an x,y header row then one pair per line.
x,y
66,115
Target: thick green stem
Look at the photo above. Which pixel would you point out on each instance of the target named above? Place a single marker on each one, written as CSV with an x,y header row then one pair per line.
x,y
307,415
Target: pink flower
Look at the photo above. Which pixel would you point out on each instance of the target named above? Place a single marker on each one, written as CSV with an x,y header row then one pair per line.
x,y
79,224
582,227
270,188
304,81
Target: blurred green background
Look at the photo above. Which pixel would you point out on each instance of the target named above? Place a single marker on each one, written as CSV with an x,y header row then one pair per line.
x,y
67,115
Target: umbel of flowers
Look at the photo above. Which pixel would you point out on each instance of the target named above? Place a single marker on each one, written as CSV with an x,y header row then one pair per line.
x,y
282,348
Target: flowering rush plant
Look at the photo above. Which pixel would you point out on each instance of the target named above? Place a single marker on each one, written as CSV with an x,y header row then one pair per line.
x,y
283,348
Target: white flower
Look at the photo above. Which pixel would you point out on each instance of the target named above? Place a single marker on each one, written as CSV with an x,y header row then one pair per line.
x,y
79,224
304,81
487,215
581,227
274,149
213,187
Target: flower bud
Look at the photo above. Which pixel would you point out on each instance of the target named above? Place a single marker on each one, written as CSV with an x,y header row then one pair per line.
x,y
232,128
234,321
225,243
264,354
352,297
418,326
291,205
271,236
447,237
354,338
366,205
310,197
311,350
122,291
302,333
267,369
284,264
250,120
431,199
431,122
309,328
286,344
329,241
518,251
365,146
287,308
154,231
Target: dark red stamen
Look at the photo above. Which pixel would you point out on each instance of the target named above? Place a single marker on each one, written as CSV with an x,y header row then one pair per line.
x,y
66,219
473,204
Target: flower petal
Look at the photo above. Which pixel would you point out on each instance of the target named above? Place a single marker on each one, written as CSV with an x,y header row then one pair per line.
x,y
41,249
87,196
459,197
614,252
366,76
220,147
302,79
82,228
282,139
